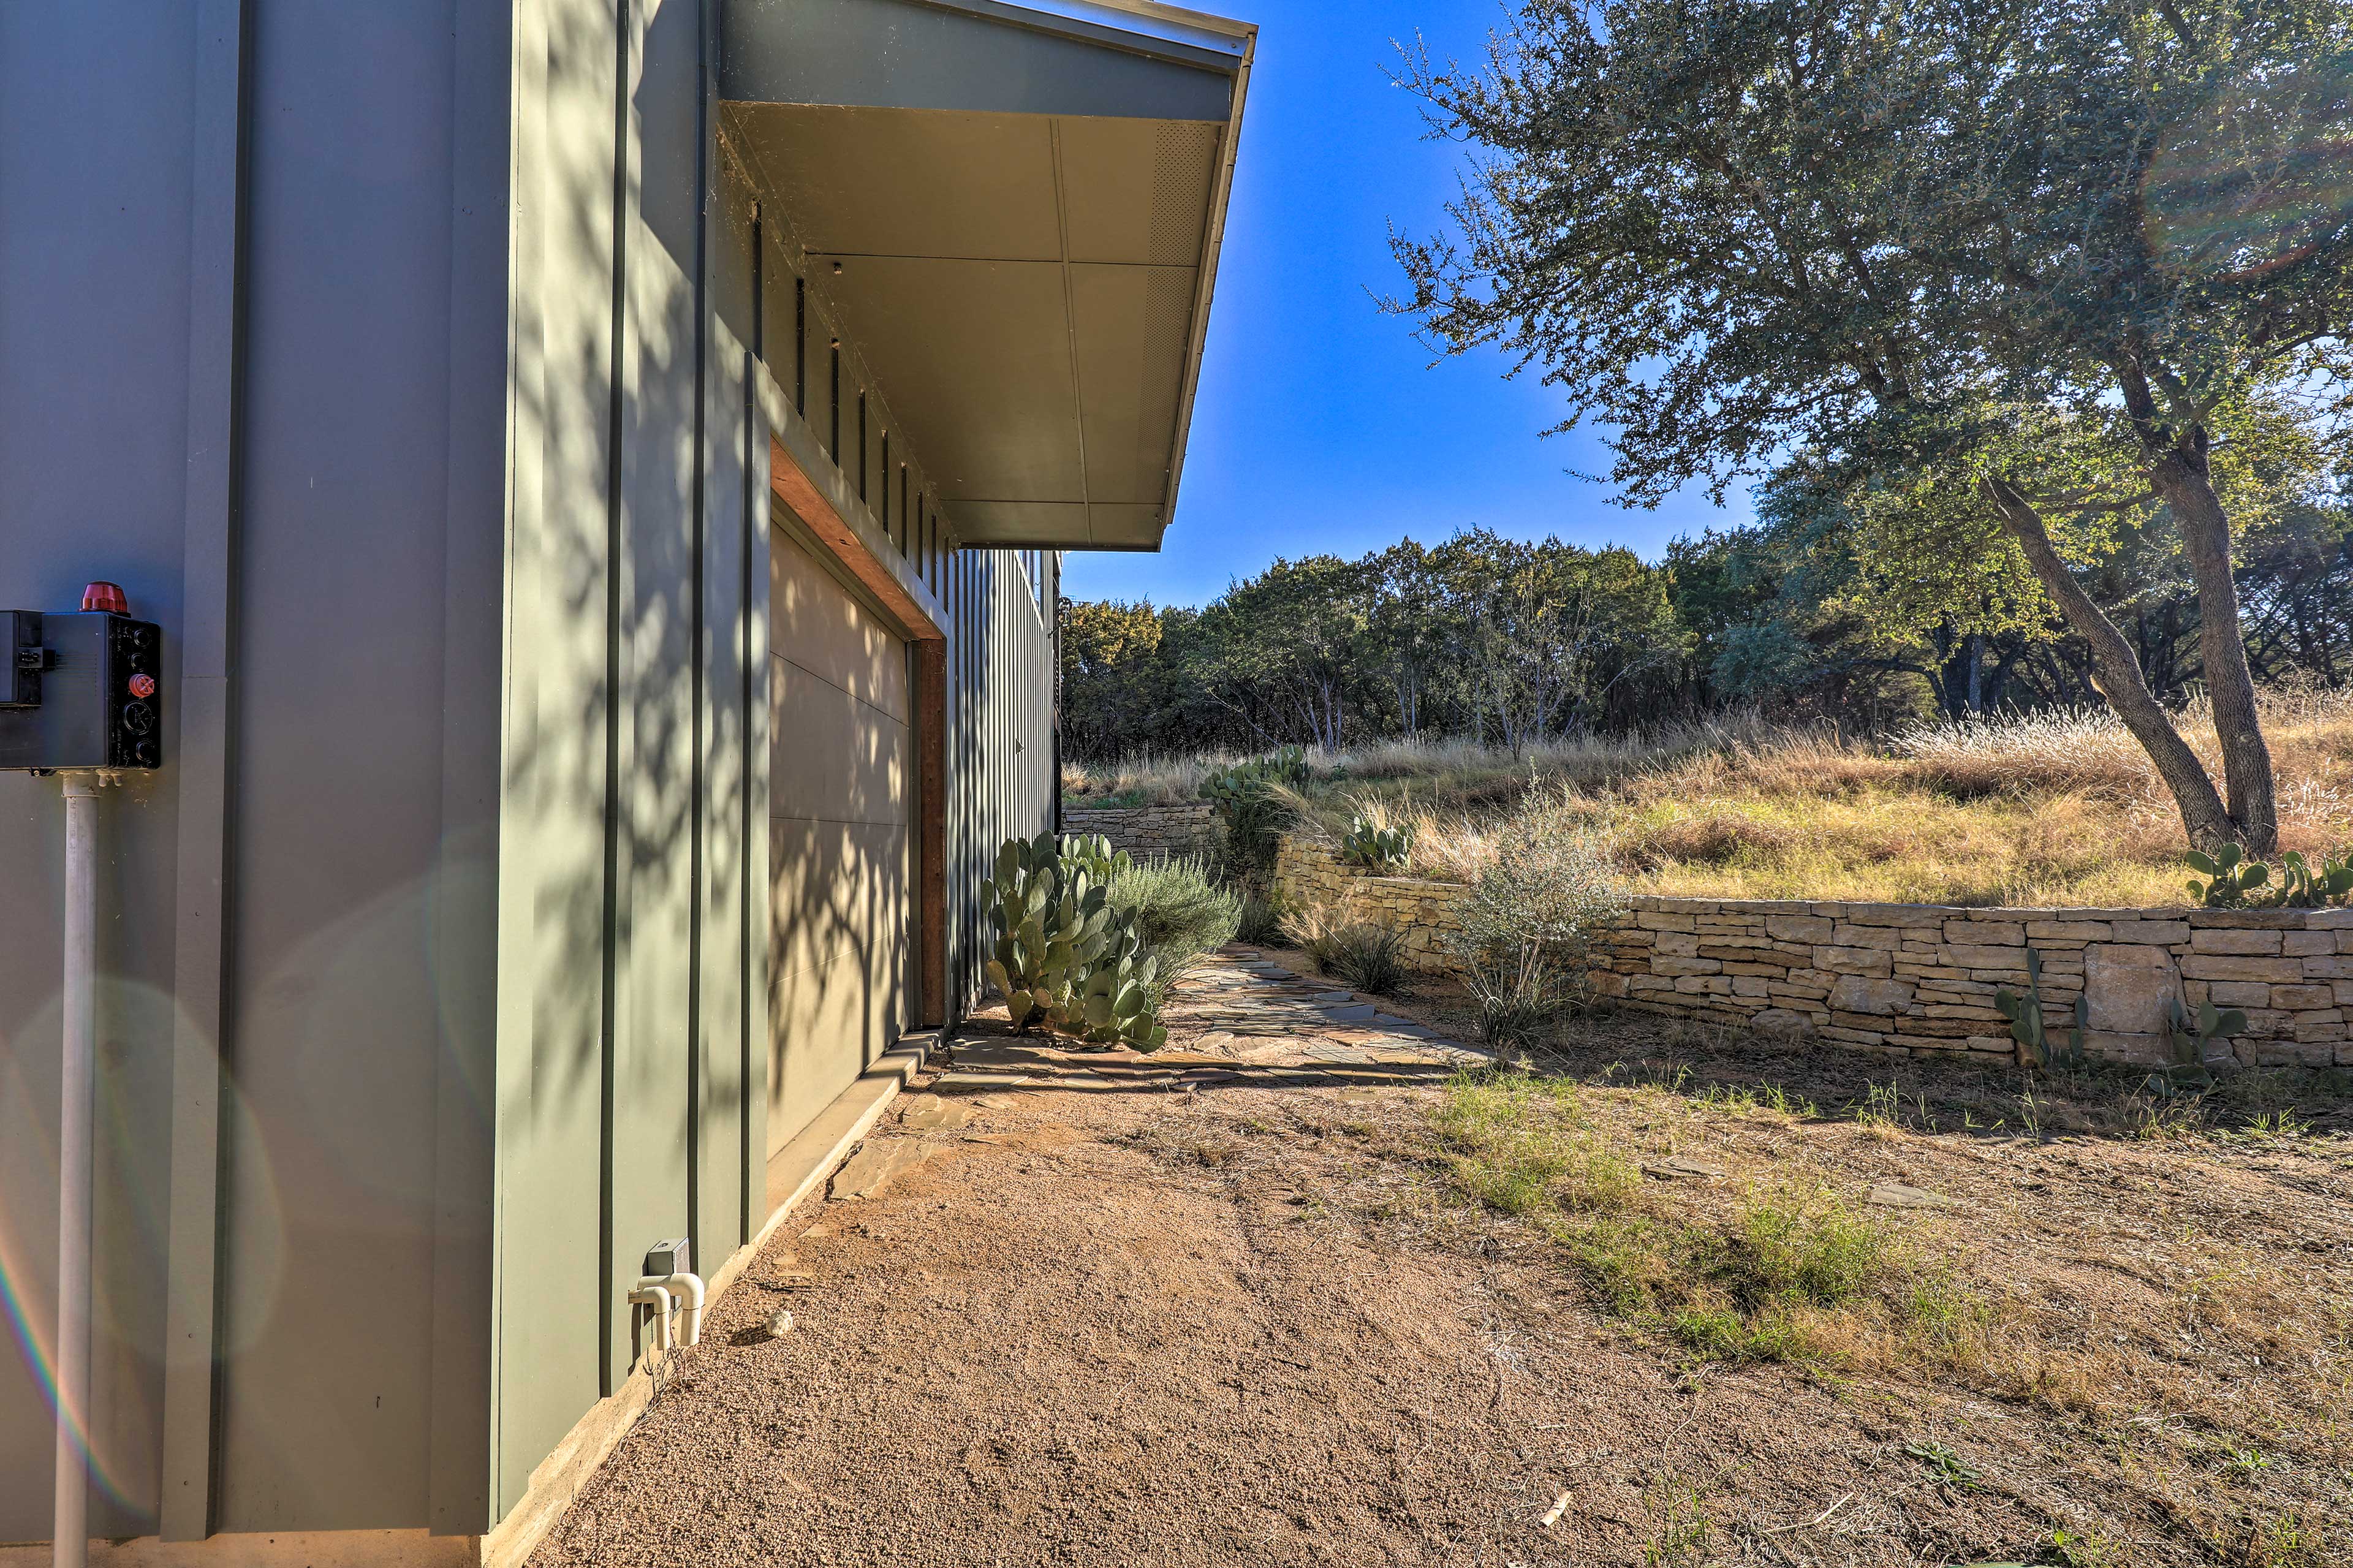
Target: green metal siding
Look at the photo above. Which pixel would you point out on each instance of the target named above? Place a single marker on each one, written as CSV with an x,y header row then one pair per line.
x,y
299,977
636,579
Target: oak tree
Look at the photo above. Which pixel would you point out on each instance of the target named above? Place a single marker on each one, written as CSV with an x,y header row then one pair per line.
x,y
2048,247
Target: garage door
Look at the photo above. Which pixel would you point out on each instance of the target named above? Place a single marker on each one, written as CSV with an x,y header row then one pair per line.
x,y
841,782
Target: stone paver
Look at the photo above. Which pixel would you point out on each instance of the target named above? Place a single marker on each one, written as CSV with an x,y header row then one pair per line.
x,y
875,1165
1252,1010
929,1112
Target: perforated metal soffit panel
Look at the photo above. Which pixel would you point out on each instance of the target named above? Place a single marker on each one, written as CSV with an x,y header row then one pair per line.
x,y
1022,219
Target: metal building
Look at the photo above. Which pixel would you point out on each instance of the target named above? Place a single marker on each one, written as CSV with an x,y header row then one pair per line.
x,y
601,468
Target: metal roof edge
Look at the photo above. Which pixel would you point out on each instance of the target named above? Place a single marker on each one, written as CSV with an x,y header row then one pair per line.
x,y
1158,32
1212,253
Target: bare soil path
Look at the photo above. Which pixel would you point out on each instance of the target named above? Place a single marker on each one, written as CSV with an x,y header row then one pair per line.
x,y
1217,1307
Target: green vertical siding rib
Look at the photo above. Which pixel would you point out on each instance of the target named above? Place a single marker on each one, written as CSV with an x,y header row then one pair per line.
x,y
548,1359
466,917
731,322
653,1055
765,407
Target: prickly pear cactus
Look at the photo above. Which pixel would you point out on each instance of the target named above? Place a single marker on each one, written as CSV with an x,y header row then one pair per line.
x,y
1065,960
1113,1006
2231,877
2028,1028
1050,926
1092,853
2191,1034
2307,887
1382,849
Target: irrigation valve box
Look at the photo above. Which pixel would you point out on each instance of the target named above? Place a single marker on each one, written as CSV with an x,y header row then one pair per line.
x,y
83,690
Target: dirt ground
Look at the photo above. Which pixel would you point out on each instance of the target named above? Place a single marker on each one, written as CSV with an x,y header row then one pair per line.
x,y
1130,1314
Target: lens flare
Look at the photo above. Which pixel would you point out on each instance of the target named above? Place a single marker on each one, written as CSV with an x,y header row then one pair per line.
x,y
2260,181
26,1267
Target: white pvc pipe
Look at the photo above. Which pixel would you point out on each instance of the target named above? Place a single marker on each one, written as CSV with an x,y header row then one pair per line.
x,y
650,1293
688,1289
69,1536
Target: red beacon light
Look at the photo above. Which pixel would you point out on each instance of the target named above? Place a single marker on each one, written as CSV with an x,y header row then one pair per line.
x,y
107,596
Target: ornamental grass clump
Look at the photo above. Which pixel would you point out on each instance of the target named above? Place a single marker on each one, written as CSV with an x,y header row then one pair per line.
x,y
1262,922
1312,925
1370,957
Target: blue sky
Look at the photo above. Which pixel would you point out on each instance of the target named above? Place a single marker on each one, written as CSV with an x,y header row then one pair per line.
x,y
1322,426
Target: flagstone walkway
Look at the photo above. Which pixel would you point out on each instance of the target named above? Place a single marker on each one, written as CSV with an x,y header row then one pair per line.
x,y
1234,1017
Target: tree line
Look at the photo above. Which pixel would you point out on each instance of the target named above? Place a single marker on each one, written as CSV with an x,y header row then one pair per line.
x,y
1813,613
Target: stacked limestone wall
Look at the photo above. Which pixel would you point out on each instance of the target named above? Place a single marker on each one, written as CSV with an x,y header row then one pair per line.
x,y
1192,827
1919,978
1307,872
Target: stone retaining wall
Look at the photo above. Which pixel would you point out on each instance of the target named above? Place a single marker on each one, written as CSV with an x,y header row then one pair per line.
x,y
1192,827
1917,978
1907,979
1306,871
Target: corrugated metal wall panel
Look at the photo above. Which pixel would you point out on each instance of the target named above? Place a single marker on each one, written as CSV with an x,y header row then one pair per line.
x,y
1000,740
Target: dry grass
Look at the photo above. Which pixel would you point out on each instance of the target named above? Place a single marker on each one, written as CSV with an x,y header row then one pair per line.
x,y
2057,808
1144,779
2168,1283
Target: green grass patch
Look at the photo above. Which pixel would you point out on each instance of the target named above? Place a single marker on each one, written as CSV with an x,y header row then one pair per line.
x,y
1790,1273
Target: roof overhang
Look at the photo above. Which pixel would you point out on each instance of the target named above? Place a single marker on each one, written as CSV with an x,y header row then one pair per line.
x,y
1018,210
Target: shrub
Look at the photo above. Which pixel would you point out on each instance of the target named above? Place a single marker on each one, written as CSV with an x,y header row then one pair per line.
x,y
1257,805
1527,921
1370,957
1180,909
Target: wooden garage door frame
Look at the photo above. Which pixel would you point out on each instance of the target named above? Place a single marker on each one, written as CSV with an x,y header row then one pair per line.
x,y
841,545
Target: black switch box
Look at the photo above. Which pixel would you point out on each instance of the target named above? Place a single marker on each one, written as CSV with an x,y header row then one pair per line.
x,y
97,693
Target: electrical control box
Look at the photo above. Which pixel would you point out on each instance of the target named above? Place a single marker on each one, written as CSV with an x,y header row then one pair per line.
x,y
665,1259
87,689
